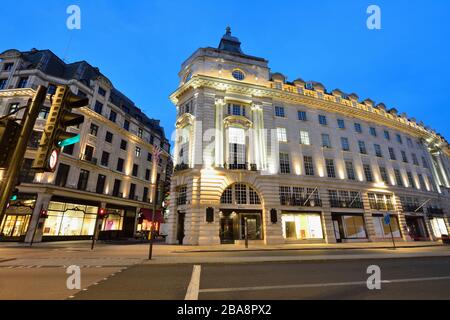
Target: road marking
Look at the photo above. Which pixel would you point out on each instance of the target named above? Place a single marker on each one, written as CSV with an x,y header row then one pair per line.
x,y
318,285
194,285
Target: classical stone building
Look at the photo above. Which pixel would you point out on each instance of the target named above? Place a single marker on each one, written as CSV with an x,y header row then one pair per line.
x,y
295,162
111,167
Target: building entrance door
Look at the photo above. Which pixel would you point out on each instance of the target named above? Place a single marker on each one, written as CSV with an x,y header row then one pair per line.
x,y
226,230
416,228
180,227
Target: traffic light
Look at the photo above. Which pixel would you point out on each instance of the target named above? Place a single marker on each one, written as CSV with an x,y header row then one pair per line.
x,y
102,213
43,214
15,195
9,135
55,135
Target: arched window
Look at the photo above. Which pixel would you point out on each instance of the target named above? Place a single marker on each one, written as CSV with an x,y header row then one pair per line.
x,y
240,194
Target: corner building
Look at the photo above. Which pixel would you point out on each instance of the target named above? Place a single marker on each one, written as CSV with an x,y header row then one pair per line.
x,y
111,167
295,162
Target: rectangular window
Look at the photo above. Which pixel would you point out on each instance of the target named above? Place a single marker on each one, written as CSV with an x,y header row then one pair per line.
x,y
182,195
414,159
331,171
113,116
147,174
322,120
149,157
109,137
279,112
345,144
285,166
123,144
237,148
135,170
68,149
382,230
88,153
51,89
101,180
302,116
392,154
120,163
138,152
3,83
326,142
304,138
399,139
309,165
140,133
358,127
368,172
387,135
22,82
362,147
240,193
422,182
353,227
105,159
341,124
132,194
410,179
83,180
350,170
373,131
145,195
424,162
404,157
384,175
101,91
98,107
398,178
61,176
93,130
126,125
409,142
378,151
116,189
281,134
8,66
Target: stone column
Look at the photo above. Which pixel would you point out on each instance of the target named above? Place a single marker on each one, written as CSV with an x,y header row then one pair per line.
x,y
327,219
219,159
36,226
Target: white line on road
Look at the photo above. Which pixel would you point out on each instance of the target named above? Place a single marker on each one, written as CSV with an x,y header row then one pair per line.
x,y
318,285
194,285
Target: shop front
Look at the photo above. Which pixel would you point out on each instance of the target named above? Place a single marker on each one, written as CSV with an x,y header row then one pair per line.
x,y
301,226
119,223
147,221
17,219
438,226
69,220
233,222
385,231
349,227
416,228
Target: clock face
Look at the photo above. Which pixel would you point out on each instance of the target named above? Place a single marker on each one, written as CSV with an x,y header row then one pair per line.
x,y
53,160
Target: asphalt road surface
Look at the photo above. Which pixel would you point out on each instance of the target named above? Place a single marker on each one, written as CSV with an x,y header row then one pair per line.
x,y
416,278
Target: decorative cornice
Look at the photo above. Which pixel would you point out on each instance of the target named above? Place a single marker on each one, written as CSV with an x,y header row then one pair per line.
x,y
185,119
323,101
237,120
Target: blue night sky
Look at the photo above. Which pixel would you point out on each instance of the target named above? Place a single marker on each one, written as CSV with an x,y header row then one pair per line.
x,y
140,45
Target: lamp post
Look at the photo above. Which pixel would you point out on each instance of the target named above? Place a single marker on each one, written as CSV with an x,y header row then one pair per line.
x,y
156,155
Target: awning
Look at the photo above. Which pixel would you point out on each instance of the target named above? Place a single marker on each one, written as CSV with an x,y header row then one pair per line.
x,y
148,213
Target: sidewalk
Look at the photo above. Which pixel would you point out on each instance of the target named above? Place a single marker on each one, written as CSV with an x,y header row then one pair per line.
x,y
320,246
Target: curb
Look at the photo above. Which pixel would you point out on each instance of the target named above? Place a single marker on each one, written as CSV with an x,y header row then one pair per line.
x,y
292,259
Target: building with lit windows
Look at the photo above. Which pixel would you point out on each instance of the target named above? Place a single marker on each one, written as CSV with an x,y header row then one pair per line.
x,y
111,167
295,162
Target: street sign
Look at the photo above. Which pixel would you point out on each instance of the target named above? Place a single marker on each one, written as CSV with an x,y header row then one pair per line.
x,y
387,219
69,141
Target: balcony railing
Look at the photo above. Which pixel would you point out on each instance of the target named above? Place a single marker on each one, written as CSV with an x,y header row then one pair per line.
x,y
89,158
435,210
300,202
412,208
180,167
241,166
347,204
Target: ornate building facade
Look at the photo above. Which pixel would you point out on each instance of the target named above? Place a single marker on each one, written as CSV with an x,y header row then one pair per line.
x,y
111,167
290,162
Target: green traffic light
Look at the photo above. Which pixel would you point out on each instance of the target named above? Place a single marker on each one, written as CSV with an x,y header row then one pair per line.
x,y
69,141
14,197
